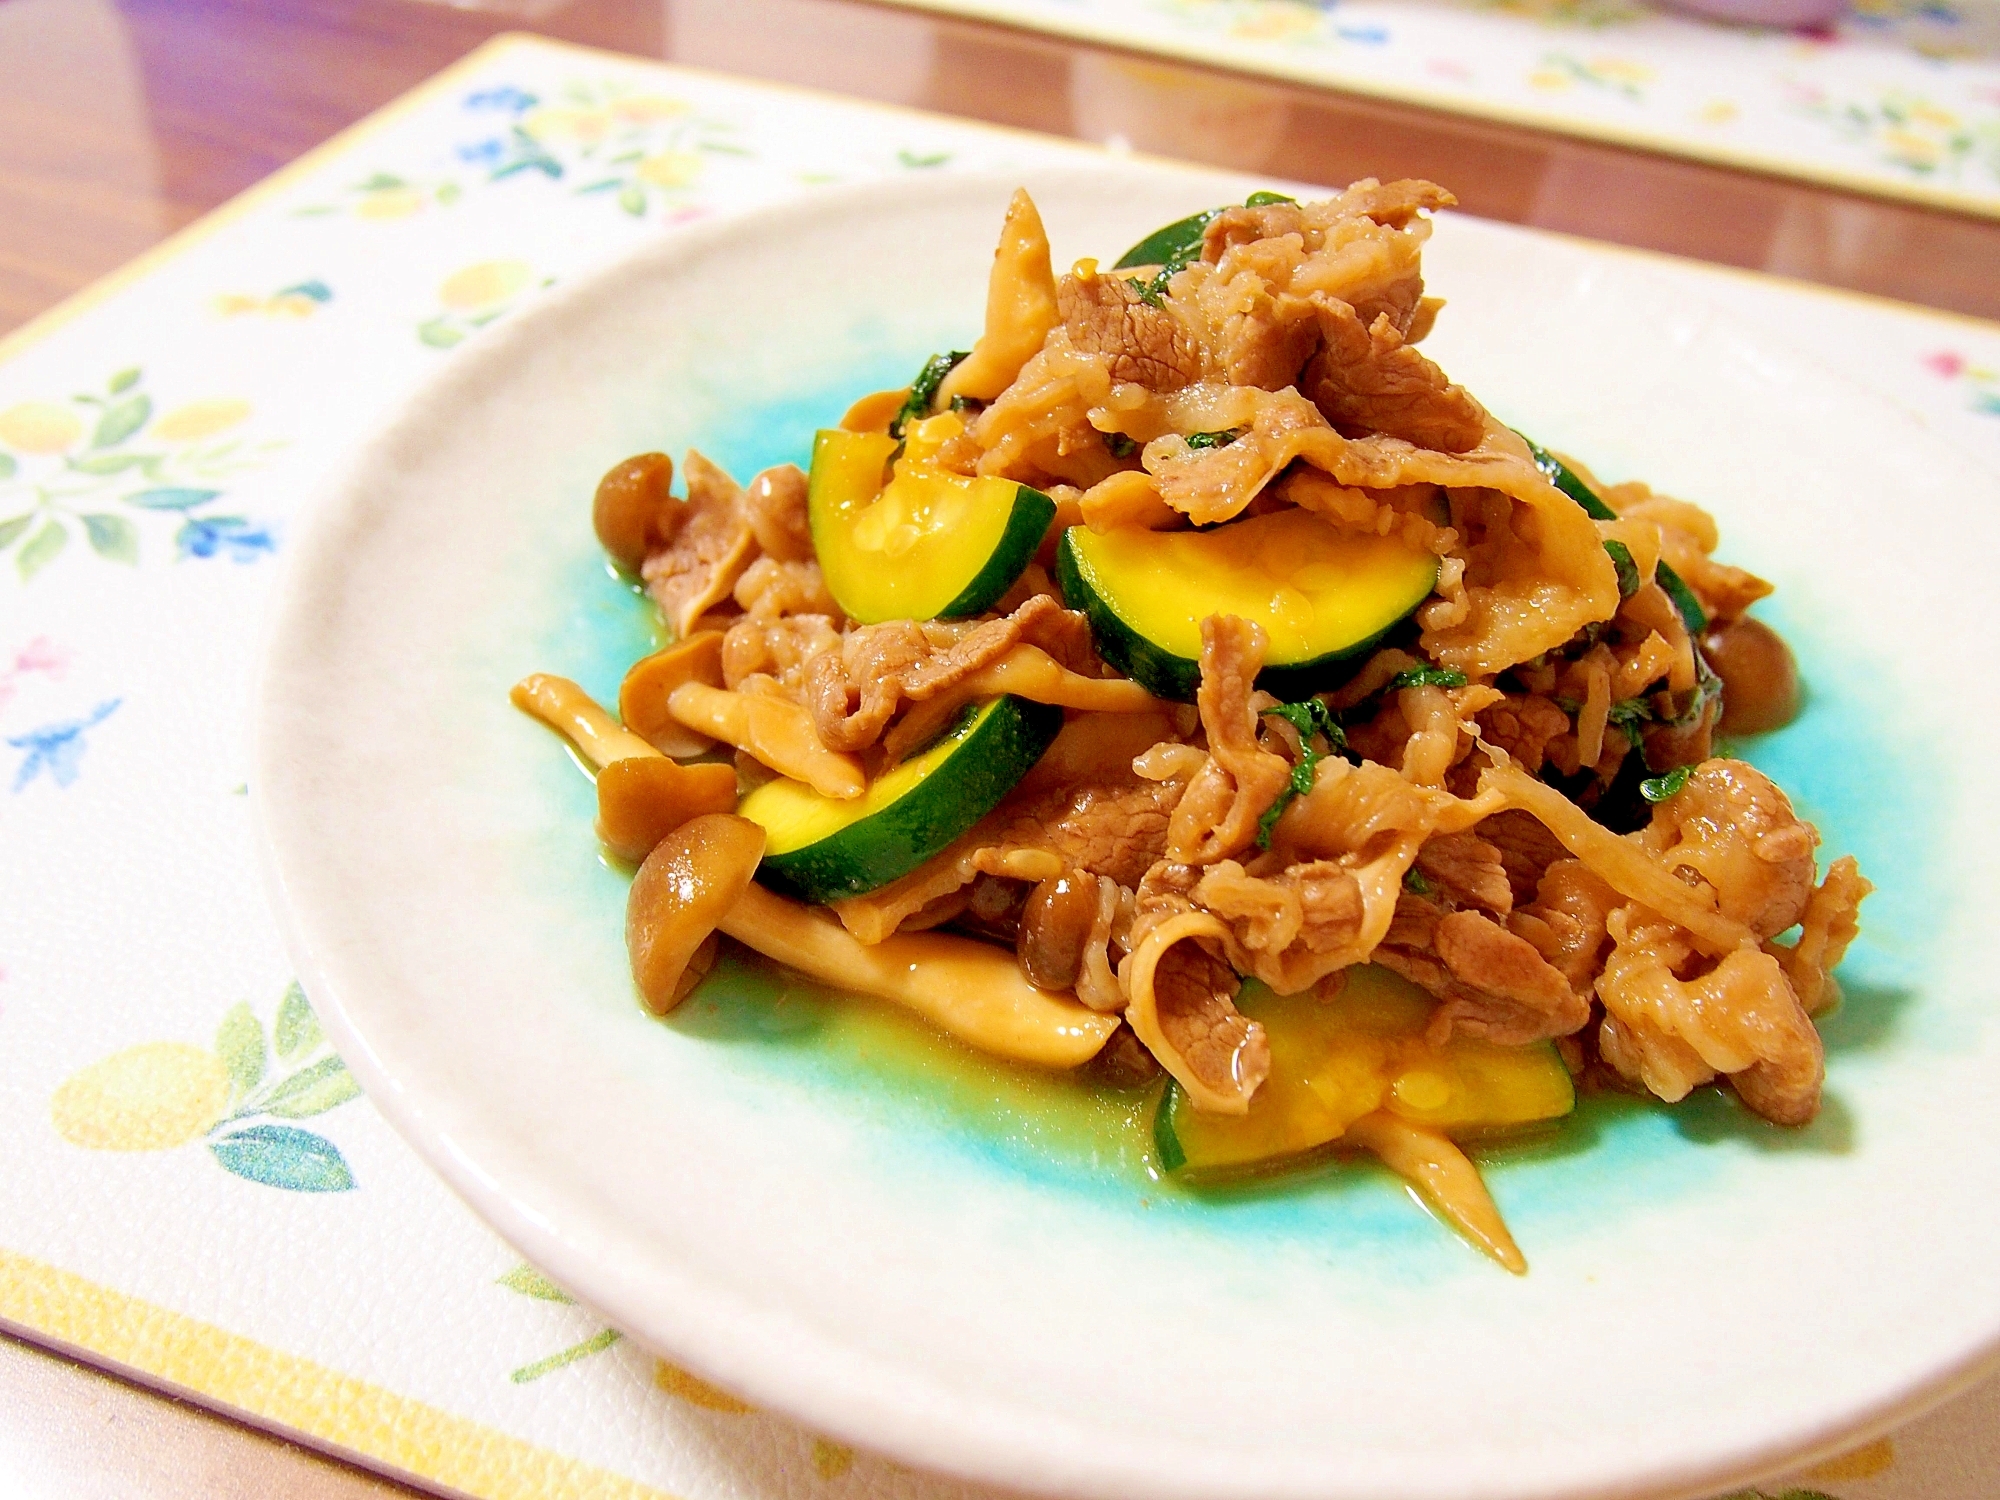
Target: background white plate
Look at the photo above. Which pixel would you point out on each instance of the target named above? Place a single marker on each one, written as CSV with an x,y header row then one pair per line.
x,y
770,1196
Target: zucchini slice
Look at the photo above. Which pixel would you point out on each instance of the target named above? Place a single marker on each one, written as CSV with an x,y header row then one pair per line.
x,y
1323,595
928,544
1566,479
821,848
1334,1061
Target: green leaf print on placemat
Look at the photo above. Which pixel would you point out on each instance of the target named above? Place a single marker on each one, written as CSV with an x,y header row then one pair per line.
x,y
159,1096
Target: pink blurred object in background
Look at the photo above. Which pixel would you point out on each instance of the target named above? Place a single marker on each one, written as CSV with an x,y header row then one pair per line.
x,y
1798,13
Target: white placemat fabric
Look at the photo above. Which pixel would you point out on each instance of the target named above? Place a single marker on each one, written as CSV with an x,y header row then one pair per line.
x,y
1896,97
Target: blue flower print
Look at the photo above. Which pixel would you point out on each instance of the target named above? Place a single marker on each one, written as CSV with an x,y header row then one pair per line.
x,y
57,748
506,97
482,153
224,536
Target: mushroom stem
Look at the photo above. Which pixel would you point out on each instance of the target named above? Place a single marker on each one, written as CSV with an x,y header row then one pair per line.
x,y
972,989
1444,1177
569,710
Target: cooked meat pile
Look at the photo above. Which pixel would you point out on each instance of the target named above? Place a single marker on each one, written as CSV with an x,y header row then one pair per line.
x,y
1517,805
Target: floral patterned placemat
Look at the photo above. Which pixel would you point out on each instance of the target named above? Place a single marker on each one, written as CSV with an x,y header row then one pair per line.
x,y
197,1193
1899,97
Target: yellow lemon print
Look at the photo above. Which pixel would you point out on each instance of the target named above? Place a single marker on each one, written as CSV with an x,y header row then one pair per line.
x,y
645,108
1276,25
1913,147
146,1098
694,1390
1930,114
390,203
483,285
200,419
831,1459
39,427
1864,1462
1620,70
670,169
555,123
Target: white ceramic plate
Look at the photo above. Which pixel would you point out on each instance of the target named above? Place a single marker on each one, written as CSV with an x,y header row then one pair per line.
x,y
768,1188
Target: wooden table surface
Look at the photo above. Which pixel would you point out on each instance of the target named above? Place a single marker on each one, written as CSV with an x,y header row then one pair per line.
x,y
122,122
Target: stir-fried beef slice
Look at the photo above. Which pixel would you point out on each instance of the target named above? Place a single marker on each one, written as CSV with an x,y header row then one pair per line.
x,y
1218,815
1505,992
1166,888
1523,726
1393,204
1366,254
1382,735
1268,343
707,551
1740,1017
1785,1088
1830,922
770,588
1467,871
1115,829
1525,847
1244,226
1730,827
1413,927
1491,984
1316,906
1566,919
1142,344
1216,484
1194,1000
1390,204
854,691
1366,379
775,648
1688,539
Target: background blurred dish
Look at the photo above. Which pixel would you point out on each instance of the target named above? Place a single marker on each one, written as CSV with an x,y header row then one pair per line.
x,y
1766,12
948,1268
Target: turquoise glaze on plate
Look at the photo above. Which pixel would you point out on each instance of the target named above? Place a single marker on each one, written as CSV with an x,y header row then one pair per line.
x,y
925,1096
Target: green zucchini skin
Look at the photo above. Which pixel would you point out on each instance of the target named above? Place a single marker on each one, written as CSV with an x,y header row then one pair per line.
x,y
1159,672
876,850
1166,1145
1167,675
1691,612
1026,526
1566,479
